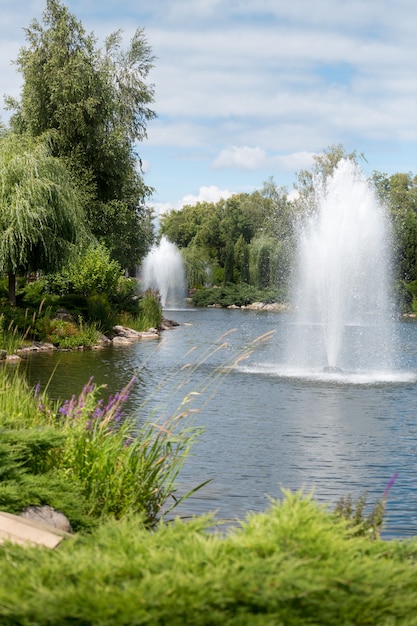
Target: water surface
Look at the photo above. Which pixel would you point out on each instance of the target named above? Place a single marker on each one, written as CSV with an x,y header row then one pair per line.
x,y
264,428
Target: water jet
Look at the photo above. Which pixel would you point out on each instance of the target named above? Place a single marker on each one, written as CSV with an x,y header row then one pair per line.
x,y
163,270
344,316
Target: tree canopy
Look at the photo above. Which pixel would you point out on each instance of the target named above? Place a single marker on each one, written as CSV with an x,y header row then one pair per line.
x,y
41,208
246,238
98,103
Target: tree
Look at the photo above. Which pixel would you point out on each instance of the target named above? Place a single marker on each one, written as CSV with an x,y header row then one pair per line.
x,y
399,194
98,104
41,208
323,167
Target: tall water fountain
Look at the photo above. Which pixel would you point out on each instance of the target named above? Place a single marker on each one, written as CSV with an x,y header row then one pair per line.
x,y
344,318
163,270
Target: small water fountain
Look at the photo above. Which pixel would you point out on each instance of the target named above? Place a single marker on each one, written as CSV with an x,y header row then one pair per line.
x,y
163,270
344,317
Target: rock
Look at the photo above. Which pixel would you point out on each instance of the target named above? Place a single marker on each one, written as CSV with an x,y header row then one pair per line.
x,y
48,515
36,346
120,341
124,335
263,306
64,315
27,531
167,325
124,331
103,341
149,334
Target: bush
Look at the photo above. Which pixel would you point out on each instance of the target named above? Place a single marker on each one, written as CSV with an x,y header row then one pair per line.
x,y
148,314
239,295
91,272
296,564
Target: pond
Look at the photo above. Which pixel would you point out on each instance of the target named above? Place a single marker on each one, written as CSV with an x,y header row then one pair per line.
x,y
263,430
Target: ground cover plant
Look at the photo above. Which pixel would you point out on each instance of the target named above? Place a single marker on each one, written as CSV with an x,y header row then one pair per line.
x,y
295,564
70,319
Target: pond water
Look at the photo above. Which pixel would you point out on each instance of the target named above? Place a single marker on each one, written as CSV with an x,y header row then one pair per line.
x,y
264,430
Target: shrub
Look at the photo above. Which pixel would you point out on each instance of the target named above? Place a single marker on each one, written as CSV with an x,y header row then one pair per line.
x,y
68,335
239,295
295,564
92,271
88,457
148,314
99,311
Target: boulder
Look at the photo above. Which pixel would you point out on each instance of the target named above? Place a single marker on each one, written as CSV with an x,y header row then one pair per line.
x,y
48,515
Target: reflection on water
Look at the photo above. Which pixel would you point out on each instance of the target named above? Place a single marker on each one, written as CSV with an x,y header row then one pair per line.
x,y
264,430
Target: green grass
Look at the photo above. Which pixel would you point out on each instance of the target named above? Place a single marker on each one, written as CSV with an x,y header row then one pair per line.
x,y
88,457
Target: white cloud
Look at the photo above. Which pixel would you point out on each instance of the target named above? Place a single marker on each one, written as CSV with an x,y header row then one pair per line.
x,y
241,158
295,161
209,193
246,158
246,86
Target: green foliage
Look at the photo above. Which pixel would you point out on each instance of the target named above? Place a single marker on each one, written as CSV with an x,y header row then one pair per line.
x,y
97,103
148,313
99,311
239,295
121,467
363,522
197,266
69,335
217,239
41,209
90,272
10,337
293,565
90,458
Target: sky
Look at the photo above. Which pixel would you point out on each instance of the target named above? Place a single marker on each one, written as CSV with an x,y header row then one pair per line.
x,y
249,89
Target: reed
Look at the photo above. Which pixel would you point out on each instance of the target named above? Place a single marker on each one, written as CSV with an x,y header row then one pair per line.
x,y
120,464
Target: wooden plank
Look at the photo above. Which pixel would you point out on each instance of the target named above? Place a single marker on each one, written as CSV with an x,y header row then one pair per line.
x,y
26,531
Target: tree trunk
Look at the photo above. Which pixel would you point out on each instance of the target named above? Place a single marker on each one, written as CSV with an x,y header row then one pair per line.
x,y
12,288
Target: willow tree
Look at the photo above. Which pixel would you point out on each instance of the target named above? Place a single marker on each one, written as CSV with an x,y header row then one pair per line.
x,y
98,103
41,209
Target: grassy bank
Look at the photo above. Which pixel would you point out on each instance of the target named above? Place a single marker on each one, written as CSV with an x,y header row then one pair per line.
x,y
86,456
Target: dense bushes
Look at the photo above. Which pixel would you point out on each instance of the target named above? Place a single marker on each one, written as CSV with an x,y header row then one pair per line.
x,y
73,307
296,564
238,295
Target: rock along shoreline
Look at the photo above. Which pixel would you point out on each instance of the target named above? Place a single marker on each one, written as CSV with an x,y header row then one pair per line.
x,y
121,335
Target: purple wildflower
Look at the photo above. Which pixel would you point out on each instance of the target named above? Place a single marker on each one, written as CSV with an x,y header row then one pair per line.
x,y
390,484
110,412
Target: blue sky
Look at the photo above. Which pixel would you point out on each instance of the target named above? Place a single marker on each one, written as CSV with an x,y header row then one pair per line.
x,y
248,89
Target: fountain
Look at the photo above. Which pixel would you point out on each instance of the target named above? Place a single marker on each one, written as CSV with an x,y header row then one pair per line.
x,y
344,318
163,270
